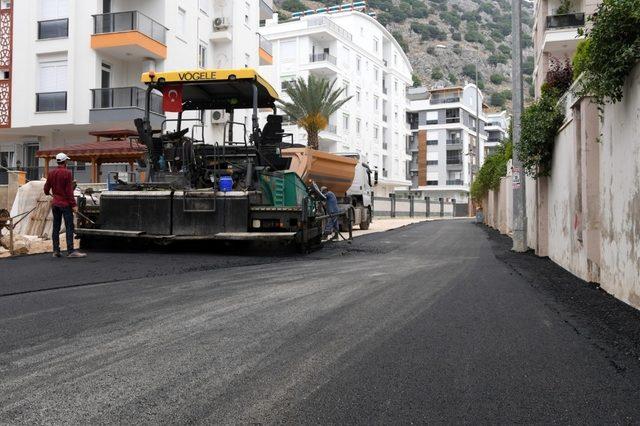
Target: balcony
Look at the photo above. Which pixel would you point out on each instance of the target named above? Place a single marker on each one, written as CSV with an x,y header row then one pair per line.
x,y
265,51
51,101
494,140
323,57
266,10
413,167
53,28
454,143
129,35
455,182
323,65
323,21
569,20
451,120
123,104
450,100
561,35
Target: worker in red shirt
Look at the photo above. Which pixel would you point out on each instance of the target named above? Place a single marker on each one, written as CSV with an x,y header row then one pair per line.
x,y
60,185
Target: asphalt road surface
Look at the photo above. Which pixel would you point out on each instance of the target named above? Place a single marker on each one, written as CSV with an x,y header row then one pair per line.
x,y
435,322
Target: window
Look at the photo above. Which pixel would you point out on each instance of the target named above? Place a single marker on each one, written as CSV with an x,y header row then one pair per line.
x,y
395,59
202,55
357,125
454,157
54,19
395,86
181,23
376,74
358,63
288,50
376,131
247,60
345,58
247,7
432,162
453,115
358,96
375,102
345,85
52,92
432,142
432,117
287,80
376,44
345,122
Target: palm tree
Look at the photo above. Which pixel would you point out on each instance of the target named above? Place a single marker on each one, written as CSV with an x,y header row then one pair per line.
x,y
312,102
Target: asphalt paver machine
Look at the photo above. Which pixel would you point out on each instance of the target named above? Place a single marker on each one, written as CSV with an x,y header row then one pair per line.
x,y
239,188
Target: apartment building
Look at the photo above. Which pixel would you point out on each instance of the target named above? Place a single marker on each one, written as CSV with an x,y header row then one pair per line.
x,y
73,67
354,49
555,32
497,128
444,141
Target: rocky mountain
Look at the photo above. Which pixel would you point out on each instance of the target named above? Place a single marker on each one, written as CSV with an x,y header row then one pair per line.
x,y
444,38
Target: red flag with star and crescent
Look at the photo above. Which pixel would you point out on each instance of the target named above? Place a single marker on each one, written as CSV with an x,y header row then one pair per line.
x,y
172,98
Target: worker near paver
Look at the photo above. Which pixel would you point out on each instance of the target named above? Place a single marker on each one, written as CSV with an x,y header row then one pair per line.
x,y
60,185
332,208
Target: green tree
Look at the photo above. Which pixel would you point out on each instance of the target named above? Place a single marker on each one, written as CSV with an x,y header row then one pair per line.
x,y
416,80
312,103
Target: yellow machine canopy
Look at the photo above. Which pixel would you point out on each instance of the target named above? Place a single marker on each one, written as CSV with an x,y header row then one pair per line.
x,y
226,89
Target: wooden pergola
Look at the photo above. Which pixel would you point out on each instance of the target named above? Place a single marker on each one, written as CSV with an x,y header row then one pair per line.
x,y
111,146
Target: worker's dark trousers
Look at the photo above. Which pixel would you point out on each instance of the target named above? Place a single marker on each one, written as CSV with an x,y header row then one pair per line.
x,y
58,214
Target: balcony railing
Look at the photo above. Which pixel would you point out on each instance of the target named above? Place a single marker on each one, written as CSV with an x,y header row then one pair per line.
x,y
568,20
450,120
321,21
454,162
494,140
450,100
455,182
129,21
53,28
266,45
51,101
331,128
124,97
454,141
321,57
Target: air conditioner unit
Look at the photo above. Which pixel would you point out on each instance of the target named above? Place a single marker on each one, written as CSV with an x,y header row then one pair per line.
x,y
218,116
220,24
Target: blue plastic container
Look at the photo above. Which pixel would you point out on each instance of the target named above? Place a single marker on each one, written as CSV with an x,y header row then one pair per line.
x,y
226,183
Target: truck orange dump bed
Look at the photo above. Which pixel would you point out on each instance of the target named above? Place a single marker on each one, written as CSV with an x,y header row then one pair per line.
x,y
325,169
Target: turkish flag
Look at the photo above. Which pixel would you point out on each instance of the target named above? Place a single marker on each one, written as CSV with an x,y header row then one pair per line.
x,y
172,98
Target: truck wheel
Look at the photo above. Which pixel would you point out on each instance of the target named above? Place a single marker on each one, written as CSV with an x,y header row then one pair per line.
x,y
365,225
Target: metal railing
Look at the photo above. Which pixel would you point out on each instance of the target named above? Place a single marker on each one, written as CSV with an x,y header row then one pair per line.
x,y
450,120
322,21
454,161
455,182
129,21
265,45
53,28
51,101
124,97
494,140
454,141
567,20
331,128
451,100
321,57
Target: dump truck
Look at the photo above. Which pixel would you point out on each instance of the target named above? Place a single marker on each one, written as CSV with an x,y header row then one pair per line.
x,y
238,189
344,174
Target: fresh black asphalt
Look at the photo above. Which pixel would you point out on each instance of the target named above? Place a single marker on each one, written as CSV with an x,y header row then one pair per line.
x,y
432,323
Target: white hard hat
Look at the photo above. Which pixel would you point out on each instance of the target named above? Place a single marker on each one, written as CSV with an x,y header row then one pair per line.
x,y
62,157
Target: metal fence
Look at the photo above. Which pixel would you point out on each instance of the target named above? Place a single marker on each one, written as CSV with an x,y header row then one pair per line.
x,y
416,207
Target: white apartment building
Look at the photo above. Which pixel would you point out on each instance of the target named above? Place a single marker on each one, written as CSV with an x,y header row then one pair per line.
x,y
71,67
354,49
497,128
443,142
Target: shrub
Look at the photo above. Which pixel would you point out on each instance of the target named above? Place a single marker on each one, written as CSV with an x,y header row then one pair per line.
x,y
496,78
612,51
540,123
493,168
416,80
580,58
437,74
560,75
293,6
